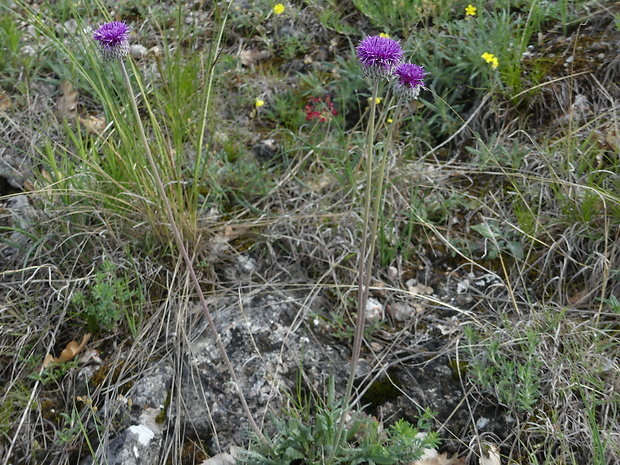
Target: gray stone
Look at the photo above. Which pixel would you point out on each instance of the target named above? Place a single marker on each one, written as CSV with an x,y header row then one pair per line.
x,y
138,445
268,344
152,390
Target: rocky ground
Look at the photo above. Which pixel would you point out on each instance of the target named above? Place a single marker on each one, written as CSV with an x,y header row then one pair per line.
x,y
135,400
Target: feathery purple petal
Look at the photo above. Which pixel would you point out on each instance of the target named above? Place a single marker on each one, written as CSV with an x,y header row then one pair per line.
x,y
378,56
113,40
409,80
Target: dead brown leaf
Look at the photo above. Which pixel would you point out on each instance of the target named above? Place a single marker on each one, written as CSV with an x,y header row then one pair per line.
x,y
251,57
222,458
492,457
420,289
608,139
231,233
72,349
440,460
94,124
66,107
579,298
323,183
612,139
29,186
5,101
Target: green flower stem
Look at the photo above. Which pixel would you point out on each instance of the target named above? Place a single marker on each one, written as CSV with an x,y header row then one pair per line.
x,y
364,272
188,262
378,200
365,268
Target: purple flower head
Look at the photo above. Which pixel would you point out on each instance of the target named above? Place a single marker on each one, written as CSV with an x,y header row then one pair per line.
x,y
378,56
113,40
409,80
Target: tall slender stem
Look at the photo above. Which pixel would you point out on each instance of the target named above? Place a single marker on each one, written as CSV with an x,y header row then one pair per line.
x,y
378,201
188,262
364,272
365,268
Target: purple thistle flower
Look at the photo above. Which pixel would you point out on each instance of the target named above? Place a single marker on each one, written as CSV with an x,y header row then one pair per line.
x,y
378,56
113,40
409,80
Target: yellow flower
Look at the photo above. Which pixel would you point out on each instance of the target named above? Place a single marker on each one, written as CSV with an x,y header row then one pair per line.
x,y
491,59
470,10
278,9
389,120
259,103
383,34
377,100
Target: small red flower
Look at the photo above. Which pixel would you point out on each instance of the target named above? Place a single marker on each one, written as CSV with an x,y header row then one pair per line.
x,y
320,108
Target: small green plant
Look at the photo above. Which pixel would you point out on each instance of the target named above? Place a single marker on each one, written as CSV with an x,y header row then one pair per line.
x,y
494,154
510,371
10,35
498,240
427,206
332,16
70,428
613,303
53,373
13,402
340,327
405,14
301,436
104,304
